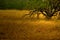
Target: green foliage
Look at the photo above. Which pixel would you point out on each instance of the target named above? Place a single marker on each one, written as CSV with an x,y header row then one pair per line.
x,y
27,4
22,4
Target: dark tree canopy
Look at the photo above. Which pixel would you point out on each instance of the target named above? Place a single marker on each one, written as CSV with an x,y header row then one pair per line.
x,y
29,4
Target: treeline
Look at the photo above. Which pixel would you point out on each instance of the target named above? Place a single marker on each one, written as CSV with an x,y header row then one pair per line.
x,y
23,4
28,4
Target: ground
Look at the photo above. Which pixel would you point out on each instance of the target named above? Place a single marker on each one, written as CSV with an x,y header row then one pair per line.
x,y
12,27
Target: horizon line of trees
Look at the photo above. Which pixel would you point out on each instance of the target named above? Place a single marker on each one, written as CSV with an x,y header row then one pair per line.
x,y
23,4
29,4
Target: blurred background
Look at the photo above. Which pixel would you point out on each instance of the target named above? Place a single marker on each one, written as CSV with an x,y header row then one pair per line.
x,y
23,4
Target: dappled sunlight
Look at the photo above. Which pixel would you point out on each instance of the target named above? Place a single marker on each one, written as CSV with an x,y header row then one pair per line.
x,y
56,15
42,16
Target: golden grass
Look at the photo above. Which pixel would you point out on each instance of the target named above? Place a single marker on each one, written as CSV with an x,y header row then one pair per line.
x,y
27,29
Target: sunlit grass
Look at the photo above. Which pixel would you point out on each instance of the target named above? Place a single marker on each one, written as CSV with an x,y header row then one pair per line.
x,y
18,29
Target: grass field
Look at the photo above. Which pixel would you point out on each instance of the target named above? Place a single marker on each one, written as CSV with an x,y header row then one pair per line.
x,y
12,27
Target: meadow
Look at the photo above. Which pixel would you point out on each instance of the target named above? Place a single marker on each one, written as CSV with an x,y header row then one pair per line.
x,y
12,27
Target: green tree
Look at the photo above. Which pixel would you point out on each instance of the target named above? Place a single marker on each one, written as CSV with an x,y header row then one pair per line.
x,y
54,5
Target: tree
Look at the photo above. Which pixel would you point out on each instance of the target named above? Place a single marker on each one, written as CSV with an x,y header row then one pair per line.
x,y
54,5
